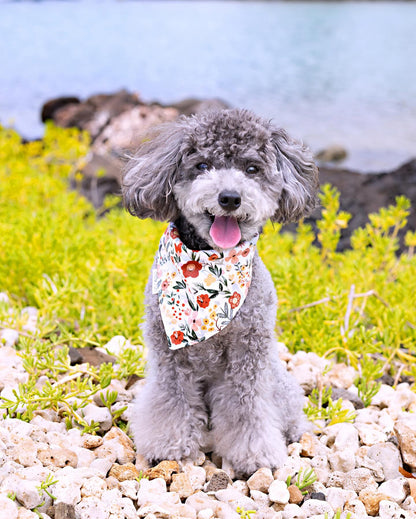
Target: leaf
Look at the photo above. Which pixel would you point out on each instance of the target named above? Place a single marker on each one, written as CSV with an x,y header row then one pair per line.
x,y
191,304
179,285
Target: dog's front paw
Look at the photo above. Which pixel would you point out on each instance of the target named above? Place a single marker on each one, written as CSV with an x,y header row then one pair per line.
x,y
160,431
155,445
245,457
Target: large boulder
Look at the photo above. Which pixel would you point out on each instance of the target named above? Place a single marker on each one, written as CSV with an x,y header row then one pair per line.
x,y
93,114
53,105
362,194
117,124
126,131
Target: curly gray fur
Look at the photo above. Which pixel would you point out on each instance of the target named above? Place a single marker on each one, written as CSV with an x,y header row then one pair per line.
x,y
229,394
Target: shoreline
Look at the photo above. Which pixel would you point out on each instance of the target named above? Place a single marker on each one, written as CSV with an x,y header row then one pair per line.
x,y
118,122
370,159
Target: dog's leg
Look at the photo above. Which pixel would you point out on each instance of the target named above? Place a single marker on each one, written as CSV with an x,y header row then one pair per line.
x,y
169,417
254,406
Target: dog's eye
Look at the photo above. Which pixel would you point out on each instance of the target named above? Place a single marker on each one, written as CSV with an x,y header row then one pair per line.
x,y
202,166
251,170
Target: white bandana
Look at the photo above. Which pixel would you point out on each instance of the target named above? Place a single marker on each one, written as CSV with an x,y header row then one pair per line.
x,y
199,291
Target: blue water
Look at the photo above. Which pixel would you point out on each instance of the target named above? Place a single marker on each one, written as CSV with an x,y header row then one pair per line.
x,y
329,72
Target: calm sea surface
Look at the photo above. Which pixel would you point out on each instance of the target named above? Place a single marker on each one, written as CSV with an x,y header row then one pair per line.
x,y
329,72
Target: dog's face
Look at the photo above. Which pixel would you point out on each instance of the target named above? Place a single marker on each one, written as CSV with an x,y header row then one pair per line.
x,y
228,184
227,173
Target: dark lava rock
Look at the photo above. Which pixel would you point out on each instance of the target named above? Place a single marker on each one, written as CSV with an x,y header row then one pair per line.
x,y
50,107
93,114
386,379
218,481
73,115
318,495
63,511
347,395
89,354
361,194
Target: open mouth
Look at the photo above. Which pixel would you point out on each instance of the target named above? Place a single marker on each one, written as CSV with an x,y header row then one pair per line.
x,y
225,231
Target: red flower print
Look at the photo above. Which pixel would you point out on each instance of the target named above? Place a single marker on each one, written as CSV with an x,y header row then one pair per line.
x,y
233,257
213,257
178,247
245,252
176,337
174,233
191,269
203,300
235,300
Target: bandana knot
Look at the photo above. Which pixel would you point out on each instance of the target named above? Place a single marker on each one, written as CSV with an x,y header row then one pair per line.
x,y
199,291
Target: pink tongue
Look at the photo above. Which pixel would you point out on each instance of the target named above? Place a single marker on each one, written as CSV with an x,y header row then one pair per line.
x,y
225,232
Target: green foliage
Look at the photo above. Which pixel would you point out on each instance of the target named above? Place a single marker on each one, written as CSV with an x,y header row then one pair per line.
x,y
332,222
108,400
305,478
86,270
338,514
346,304
67,389
43,487
370,370
245,514
321,407
141,476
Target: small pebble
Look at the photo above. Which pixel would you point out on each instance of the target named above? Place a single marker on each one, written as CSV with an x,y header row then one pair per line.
x,y
182,485
261,480
163,470
218,481
295,495
278,492
318,495
124,472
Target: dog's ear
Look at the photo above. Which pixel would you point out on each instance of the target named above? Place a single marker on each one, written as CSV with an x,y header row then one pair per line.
x,y
149,177
300,178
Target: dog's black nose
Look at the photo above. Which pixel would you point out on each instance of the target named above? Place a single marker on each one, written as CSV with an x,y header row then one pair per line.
x,y
229,200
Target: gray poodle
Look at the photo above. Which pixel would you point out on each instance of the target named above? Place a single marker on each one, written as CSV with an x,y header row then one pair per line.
x,y
217,177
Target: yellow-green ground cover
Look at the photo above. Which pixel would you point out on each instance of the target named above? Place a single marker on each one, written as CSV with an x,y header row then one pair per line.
x,y
86,271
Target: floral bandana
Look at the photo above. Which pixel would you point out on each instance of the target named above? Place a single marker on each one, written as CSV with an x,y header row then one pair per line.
x,y
199,291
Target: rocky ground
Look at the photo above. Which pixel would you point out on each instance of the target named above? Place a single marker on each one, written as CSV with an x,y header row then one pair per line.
x,y
363,469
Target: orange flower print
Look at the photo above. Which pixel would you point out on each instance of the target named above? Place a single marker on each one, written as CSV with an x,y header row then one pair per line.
x,y
245,252
233,257
203,300
176,337
234,300
178,247
191,269
213,257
